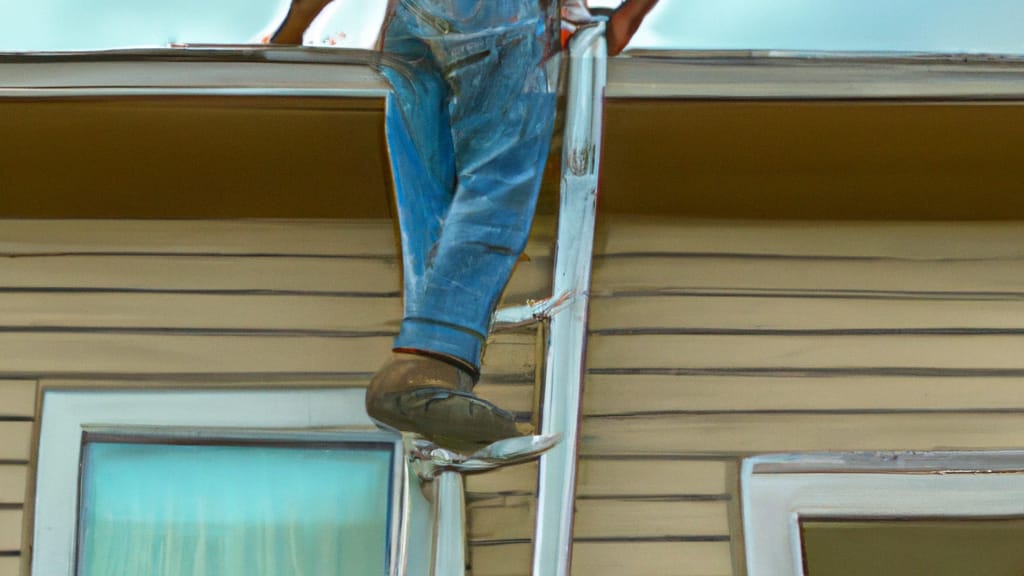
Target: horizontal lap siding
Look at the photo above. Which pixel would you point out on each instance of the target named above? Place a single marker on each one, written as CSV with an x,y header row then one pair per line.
x,y
621,503
15,441
152,299
12,483
620,558
709,342
9,565
654,518
10,530
227,304
716,340
17,413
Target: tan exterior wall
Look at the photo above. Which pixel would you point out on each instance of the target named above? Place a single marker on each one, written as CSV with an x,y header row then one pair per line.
x,y
127,304
715,340
709,341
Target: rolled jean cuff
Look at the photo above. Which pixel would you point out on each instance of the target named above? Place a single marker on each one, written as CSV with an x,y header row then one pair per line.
x,y
430,336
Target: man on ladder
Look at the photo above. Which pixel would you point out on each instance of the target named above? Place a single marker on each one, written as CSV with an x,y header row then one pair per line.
x,y
469,126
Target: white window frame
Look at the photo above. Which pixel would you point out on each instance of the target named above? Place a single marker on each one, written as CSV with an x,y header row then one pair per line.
x,y
778,491
303,415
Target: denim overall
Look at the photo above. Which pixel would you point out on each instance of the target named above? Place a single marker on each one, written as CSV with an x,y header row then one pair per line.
x,y
469,125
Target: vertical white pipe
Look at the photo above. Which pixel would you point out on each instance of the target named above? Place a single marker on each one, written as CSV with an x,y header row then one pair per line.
x,y
566,346
450,525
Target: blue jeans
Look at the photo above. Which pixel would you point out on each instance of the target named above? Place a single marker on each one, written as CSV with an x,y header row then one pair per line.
x,y
468,126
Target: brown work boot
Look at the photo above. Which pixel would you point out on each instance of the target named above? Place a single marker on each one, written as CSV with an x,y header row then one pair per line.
x,y
434,398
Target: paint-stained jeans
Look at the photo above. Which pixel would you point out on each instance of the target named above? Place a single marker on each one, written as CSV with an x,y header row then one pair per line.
x,y
468,125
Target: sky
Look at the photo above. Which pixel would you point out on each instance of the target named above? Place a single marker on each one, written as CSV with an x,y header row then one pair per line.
x,y
969,26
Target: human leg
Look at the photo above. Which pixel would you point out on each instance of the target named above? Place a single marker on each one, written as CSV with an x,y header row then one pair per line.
x,y
418,133
459,245
501,111
424,390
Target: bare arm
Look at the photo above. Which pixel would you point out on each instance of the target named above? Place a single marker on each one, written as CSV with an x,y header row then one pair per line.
x,y
624,23
300,15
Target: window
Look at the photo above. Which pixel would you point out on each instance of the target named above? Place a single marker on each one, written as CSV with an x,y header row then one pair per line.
x,y
223,482
808,513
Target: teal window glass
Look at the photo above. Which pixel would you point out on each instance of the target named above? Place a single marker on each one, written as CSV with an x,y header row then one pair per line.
x,y
223,510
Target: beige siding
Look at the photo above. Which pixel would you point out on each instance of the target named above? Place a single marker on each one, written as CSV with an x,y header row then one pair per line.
x,y
17,411
652,558
607,477
626,394
10,530
95,304
156,353
17,398
238,237
511,517
12,483
710,341
15,438
743,433
723,339
625,559
9,565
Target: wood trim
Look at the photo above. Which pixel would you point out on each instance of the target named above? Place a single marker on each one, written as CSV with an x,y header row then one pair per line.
x,y
17,397
13,479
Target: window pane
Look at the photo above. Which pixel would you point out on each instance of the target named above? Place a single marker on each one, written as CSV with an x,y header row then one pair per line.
x,y
931,547
176,510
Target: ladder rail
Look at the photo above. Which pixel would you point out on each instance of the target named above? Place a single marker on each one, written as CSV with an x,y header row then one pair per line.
x,y
567,334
